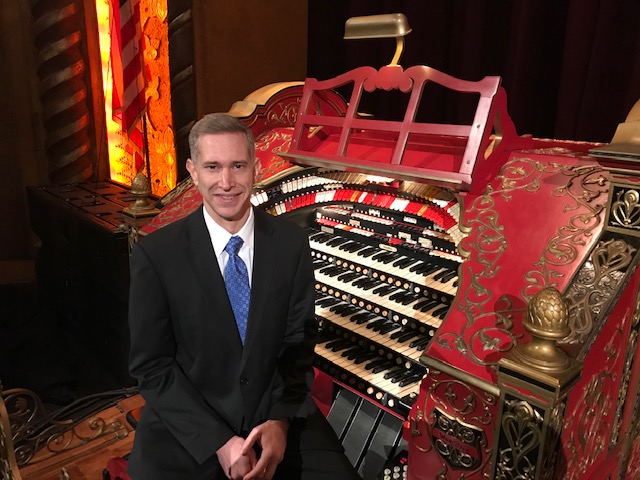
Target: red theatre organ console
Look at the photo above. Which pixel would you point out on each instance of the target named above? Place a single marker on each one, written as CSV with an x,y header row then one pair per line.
x,y
476,290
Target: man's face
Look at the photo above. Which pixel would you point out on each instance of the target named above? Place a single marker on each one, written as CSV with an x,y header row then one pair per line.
x,y
224,174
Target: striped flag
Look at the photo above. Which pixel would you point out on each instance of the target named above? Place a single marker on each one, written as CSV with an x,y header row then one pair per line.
x,y
129,79
133,78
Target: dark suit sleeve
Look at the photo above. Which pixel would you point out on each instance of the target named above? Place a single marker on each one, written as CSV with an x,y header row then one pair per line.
x,y
293,398
164,386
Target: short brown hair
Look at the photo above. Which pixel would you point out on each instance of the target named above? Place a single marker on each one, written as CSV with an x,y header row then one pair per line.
x,y
214,123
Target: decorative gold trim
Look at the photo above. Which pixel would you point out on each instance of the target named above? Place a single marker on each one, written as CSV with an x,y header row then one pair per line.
x,y
460,403
589,424
259,98
623,210
522,426
597,282
488,242
459,444
38,436
626,210
585,184
463,376
8,464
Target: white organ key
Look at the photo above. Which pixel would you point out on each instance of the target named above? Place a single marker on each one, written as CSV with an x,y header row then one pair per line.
x,y
384,340
375,379
389,270
369,296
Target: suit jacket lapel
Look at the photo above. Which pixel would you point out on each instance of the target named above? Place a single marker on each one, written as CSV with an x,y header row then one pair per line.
x,y
209,278
264,264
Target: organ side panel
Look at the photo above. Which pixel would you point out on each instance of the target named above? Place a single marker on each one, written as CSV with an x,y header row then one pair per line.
x,y
529,228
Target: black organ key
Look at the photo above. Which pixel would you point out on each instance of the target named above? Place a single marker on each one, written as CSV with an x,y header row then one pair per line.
x,y
380,327
380,254
376,323
427,302
429,306
404,262
394,371
388,327
360,318
336,241
343,309
395,335
366,283
326,302
376,363
407,336
409,380
345,245
382,367
348,276
351,247
385,290
365,356
352,352
367,252
449,276
441,311
338,344
440,275
418,342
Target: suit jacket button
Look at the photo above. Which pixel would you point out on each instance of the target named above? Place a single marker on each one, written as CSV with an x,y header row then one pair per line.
x,y
244,381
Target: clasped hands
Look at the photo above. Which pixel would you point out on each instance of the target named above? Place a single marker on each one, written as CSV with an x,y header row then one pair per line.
x,y
238,457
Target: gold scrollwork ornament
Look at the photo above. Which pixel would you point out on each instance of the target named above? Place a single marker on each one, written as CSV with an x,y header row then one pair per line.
x,y
627,210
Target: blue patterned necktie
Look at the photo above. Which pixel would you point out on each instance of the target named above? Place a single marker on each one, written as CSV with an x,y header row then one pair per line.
x,y
236,279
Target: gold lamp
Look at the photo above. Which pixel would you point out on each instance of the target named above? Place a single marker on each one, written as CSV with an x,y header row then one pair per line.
x,y
391,25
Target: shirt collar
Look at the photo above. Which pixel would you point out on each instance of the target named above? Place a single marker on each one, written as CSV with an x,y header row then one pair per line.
x,y
220,236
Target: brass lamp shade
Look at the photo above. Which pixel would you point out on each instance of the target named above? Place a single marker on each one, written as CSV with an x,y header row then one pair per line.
x,y
391,25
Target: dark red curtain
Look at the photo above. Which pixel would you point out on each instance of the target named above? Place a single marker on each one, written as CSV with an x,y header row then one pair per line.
x,y
571,68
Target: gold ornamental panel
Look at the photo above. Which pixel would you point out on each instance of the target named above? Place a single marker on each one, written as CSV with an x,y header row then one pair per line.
x,y
623,211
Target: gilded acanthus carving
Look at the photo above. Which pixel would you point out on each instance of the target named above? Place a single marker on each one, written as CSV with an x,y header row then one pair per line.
x,y
455,425
626,209
626,379
489,322
589,424
283,114
522,426
597,281
585,192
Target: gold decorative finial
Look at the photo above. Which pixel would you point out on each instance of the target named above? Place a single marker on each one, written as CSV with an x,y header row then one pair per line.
x,y
140,212
141,190
548,321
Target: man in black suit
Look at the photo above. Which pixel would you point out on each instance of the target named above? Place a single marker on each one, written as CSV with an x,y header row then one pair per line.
x,y
218,405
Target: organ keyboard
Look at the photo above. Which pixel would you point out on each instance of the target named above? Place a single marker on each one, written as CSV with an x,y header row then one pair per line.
x,y
386,267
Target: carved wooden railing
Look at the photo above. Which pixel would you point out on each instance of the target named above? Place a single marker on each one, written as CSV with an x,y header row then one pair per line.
x,y
29,434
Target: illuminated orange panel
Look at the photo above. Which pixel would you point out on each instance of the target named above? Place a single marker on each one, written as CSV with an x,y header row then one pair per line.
x,y
160,138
